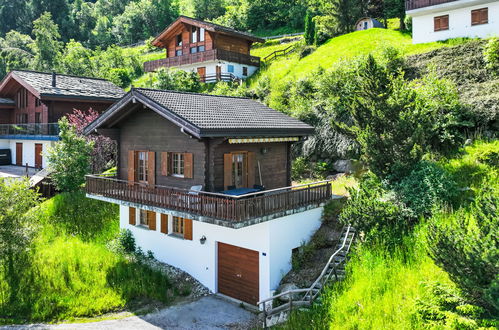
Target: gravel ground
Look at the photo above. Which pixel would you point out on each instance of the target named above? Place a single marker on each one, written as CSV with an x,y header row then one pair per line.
x,y
210,312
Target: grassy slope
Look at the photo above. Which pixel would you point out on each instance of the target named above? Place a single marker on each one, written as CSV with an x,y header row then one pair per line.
x,y
342,48
73,274
395,289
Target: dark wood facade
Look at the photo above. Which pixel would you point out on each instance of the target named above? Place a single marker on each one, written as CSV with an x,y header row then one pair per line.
x,y
188,41
145,130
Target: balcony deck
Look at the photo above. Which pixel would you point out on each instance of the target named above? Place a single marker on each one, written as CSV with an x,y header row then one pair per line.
x,y
29,130
264,205
416,4
209,55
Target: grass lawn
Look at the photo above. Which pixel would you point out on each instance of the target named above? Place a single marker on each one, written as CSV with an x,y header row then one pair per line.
x,y
335,50
72,273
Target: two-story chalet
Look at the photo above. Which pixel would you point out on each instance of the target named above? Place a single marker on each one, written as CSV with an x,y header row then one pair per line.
x,y
32,102
204,183
434,20
213,51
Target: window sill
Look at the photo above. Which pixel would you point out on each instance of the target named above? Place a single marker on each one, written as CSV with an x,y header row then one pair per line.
x,y
180,176
144,227
177,236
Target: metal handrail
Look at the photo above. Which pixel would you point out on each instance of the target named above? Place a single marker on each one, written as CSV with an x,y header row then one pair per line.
x,y
30,129
312,292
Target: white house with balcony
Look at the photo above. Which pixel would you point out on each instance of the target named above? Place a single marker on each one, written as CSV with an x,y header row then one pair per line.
x,y
437,20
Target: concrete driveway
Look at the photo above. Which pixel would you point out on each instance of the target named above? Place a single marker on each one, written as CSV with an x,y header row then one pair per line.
x,y
210,312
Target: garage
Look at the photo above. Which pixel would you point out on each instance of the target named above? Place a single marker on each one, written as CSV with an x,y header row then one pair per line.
x,y
238,273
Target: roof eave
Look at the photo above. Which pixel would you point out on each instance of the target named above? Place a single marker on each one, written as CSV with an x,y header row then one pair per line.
x,y
257,132
50,96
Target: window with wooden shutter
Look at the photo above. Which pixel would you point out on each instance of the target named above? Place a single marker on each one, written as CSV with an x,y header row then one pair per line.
x,y
480,16
131,216
164,163
441,23
151,220
164,224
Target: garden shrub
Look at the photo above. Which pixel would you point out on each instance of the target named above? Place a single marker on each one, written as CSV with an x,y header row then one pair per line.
x,y
465,245
299,168
426,187
373,210
332,210
491,55
120,77
305,51
126,241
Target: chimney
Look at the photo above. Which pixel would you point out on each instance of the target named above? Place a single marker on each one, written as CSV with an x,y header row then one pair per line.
x,y
53,79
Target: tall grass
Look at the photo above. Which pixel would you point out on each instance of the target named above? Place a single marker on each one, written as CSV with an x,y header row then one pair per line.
x,y
72,273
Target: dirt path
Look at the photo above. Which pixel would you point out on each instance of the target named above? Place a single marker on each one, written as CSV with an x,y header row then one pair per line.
x,y
209,312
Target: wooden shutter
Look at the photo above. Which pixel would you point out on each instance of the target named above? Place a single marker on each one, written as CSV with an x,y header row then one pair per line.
x,y
188,165
436,23
251,169
188,229
151,220
164,224
480,16
444,22
151,168
131,165
227,170
131,216
164,163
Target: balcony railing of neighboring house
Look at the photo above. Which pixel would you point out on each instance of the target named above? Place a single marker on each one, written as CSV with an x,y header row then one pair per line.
x,y
208,55
211,78
416,4
29,129
213,205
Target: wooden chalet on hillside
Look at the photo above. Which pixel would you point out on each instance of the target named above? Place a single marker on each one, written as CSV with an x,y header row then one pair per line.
x,y
32,102
204,182
213,51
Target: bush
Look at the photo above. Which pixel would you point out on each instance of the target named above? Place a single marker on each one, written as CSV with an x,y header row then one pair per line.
x,y
299,168
177,80
464,244
120,77
426,187
408,23
69,158
491,55
332,210
127,241
373,210
305,51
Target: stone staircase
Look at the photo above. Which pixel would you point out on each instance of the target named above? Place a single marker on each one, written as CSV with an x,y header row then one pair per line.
x,y
273,312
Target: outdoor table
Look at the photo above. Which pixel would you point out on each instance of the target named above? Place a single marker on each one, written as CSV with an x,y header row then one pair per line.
x,y
239,191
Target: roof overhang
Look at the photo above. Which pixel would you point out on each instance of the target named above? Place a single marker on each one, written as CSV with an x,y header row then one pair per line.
x,y
120,109
172,29
13,78
57,97
445,6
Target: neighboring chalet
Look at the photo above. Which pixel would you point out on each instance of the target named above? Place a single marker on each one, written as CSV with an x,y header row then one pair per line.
x,y
32,102
434,20
213,51
204,182
366,23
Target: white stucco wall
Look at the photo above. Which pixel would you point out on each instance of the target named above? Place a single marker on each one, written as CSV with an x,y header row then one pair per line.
x,y
273,240
28,150
211,68
459,21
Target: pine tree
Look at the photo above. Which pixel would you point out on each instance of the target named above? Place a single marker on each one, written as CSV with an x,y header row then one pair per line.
x,y
309,29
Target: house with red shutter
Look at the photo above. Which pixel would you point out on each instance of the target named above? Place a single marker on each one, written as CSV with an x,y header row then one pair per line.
x,y
434,20
215,52
204,182
32,102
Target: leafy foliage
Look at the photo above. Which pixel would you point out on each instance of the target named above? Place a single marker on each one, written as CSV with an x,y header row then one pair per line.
x,y
105,150
309,35
69,158
491,55
46,46
425,188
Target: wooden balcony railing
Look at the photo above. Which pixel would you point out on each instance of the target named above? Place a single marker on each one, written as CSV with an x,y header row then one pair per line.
x,y
29,129
416,4
209,55
213,205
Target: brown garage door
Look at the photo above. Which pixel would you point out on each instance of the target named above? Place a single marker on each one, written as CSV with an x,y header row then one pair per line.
x,y
238,273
